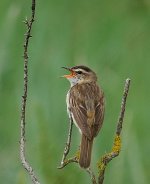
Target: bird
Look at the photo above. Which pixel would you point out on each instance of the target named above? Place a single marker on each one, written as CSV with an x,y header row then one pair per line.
x,y
85,105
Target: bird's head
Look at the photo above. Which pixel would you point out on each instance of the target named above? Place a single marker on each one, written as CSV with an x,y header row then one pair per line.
x,y
80,74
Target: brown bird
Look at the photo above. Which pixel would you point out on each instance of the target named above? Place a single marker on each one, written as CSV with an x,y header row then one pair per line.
x,y
85,104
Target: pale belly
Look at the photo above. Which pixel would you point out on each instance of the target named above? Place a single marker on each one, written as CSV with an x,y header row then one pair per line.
x,y
69,112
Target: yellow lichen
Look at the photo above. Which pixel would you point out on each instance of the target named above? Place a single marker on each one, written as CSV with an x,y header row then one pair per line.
x,y
108,156
101,166
117,144
77,155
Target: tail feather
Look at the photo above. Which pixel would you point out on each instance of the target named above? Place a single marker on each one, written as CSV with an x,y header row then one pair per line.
x,y
85,152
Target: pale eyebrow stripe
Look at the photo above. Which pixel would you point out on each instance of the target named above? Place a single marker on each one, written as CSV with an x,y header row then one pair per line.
x,y
77,70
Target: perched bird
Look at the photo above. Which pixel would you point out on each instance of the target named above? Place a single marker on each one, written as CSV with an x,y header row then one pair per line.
x,y
85,104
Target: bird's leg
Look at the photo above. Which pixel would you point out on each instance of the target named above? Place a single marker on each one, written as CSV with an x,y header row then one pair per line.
x,y
68,143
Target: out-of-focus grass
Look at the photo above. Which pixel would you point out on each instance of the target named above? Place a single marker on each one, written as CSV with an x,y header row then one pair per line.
x,y
112,37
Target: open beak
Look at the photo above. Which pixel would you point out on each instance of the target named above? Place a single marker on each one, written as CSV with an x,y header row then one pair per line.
x,y
72,73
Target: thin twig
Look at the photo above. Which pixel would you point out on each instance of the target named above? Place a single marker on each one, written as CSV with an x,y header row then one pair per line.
x,y
123,105
68,161
65,162
24,162
92,176
117,141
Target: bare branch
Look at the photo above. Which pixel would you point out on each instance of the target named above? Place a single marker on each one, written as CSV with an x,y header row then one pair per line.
x,y
68,161
24,162
92,176
65,162
123,105
117,141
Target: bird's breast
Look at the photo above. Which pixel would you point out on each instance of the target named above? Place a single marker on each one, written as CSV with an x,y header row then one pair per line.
x,y
67,102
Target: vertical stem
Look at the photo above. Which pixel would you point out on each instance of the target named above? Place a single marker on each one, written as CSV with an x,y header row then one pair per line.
x,y
68,143
24,162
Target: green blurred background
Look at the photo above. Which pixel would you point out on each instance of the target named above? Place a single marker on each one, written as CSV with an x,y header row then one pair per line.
x,y
111,37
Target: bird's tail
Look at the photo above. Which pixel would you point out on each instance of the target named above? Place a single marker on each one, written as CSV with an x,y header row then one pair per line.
x,y
85,152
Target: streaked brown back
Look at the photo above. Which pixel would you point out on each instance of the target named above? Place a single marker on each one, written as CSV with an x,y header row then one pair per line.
x,y
87,107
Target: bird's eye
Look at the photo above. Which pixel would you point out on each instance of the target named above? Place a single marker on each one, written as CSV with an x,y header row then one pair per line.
x,y
79,72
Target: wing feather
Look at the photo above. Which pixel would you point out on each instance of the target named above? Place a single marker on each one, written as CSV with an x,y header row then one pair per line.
x,y
86,104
